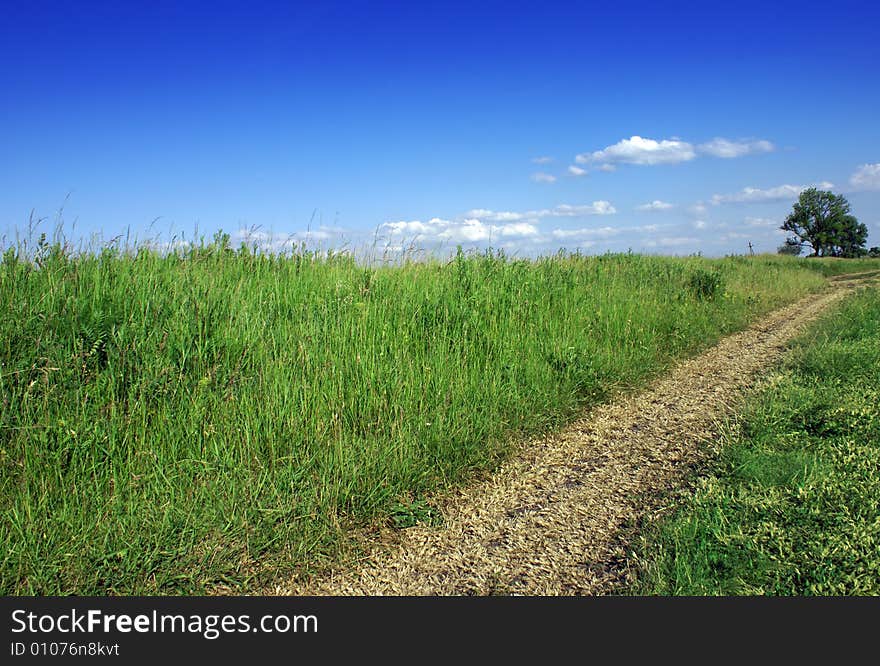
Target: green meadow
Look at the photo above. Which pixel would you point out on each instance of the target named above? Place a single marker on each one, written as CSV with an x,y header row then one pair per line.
x,y
175,422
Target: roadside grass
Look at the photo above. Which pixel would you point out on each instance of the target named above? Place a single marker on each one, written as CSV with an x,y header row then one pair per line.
x,y
793,504
831,266
172,423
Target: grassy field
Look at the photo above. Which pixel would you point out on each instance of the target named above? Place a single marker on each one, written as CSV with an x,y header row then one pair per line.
x,y
175,422
793,507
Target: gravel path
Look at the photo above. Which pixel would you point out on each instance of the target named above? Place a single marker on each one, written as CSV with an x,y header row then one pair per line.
x,y
550,520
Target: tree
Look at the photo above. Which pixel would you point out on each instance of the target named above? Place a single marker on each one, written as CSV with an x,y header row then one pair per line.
x,y
821,220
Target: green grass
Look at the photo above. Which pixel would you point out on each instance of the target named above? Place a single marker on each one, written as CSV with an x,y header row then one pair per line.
x,y
793,506
830,266
175,422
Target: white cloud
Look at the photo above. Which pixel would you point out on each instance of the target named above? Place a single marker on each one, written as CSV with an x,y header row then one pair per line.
x,y
699,209
760,222
562,210
280,241
542,160
517,230
576,171
700,224
596,208
644,151
511,230
655,206
469,230
638,150
725,148
754,194
601,232
158,245
252,235
866,177
466,230
320,234
542,177
496,216
674,241
416,227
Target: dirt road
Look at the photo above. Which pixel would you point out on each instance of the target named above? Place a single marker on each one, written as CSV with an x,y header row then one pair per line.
x,y
550,520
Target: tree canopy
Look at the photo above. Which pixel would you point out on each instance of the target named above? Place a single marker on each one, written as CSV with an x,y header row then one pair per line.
x,y
822,221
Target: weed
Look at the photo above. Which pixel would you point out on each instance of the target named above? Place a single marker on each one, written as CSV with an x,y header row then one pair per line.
x,y
705,284
410,514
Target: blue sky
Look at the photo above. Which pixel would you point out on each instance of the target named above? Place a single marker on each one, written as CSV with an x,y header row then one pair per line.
x,y
657,127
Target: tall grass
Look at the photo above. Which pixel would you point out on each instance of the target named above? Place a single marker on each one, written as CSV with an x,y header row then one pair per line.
x,y
171,422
